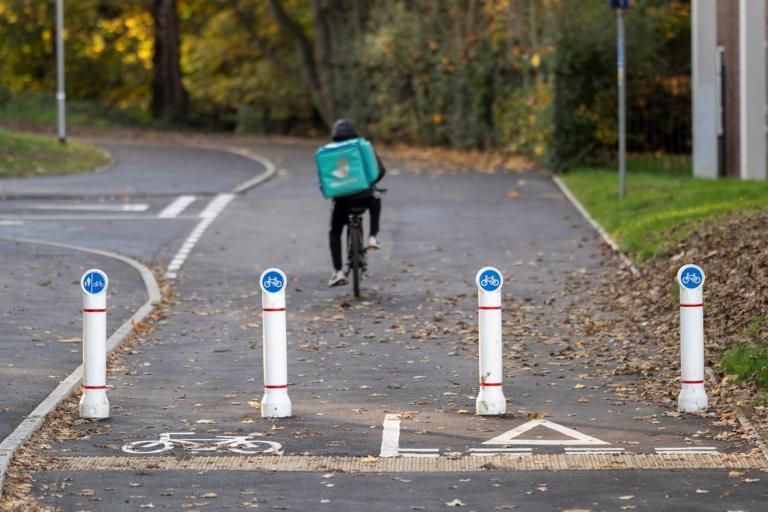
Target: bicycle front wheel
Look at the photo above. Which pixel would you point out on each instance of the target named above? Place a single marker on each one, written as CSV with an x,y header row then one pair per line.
x,y
355,240
147,447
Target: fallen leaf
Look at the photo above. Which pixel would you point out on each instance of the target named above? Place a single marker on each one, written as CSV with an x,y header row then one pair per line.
x,y
456,503
512,194
209,495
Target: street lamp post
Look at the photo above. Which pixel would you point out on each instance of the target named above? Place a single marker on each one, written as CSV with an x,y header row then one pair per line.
x,y
61,95
621,6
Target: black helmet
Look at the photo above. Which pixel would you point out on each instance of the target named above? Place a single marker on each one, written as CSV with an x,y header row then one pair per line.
x,y
343,129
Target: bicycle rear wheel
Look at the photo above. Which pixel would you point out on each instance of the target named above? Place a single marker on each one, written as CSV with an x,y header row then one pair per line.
x,y
355,241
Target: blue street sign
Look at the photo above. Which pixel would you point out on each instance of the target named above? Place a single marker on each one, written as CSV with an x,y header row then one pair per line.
x,y
272,281
489,279
94,281
691,277
619,4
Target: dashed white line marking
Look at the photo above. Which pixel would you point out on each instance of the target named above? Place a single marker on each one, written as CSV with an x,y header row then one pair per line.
x,y
390,436
688,449
593,451
214,208
216,205
11,223
33,217
134,207
484,452
419,452
176,207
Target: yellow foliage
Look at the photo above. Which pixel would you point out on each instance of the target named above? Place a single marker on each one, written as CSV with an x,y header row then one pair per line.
x,y
535,60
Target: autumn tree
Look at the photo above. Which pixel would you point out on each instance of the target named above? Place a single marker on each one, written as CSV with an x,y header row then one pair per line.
x,y
169,98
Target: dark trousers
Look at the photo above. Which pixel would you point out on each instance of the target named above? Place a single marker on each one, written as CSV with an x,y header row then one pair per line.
x,y
340,217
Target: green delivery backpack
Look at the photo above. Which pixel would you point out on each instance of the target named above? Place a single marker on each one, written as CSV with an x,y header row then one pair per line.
x,y
346,168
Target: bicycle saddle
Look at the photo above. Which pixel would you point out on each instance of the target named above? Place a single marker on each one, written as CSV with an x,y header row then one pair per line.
x,y
356,210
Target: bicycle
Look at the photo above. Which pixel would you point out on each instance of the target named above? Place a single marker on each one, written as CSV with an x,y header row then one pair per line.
x,y
237,444
356,248
489,280
273,281
691,277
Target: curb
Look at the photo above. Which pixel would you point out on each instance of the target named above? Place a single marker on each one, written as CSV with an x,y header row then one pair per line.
x,y
271,170
752,432
603,233
11,444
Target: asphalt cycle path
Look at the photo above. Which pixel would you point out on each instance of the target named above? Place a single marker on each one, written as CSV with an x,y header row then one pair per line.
x,y
41,307
144,207
383,387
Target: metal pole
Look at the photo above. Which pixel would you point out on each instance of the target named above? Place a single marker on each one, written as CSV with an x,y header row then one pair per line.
x,y
622,107
60,87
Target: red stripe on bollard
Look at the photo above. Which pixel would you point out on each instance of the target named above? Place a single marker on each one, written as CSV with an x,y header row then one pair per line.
x,y
490,384
94,310
693,382
284,386
94,387
691,305
273,310
490,307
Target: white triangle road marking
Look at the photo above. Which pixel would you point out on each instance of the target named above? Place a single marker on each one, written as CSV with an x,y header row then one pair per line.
x,y
577,438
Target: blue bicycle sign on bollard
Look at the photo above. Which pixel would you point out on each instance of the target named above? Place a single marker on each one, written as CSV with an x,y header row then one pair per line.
x,y
272,281
489,279
94,281
691,277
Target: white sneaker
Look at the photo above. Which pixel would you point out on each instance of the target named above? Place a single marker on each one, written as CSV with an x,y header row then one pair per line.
x,y
373,243
337,279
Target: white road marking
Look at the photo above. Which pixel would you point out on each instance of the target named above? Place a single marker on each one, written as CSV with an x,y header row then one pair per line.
x,y
593,451
176,207
577,438
419,452
484,452
390,436
216,205
688,449
134,207
214,208
21,218
11,223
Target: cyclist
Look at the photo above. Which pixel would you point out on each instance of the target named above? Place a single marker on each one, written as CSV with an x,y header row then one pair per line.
x,y
343,130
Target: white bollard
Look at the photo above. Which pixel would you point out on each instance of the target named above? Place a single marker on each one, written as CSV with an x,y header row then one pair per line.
x,y
692,396
94,404
276,403
490,399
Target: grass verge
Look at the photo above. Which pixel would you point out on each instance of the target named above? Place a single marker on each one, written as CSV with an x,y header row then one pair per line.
x,y
36,109
661,207
23,155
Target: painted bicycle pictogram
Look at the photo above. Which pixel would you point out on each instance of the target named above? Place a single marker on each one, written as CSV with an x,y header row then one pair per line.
x,y
245,445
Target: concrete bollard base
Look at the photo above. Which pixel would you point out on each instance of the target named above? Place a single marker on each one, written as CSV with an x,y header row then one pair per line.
x,y
692,398
490,402
94,404
276,404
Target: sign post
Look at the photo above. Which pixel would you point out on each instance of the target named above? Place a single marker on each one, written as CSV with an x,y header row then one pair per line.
x,y
490,399
276,403
61,95
94,404
692,396
621,6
